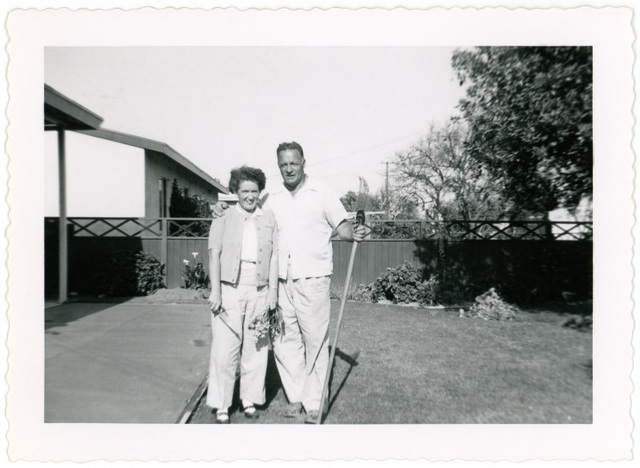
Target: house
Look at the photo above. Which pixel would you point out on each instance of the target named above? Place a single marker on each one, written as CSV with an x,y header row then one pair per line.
x,y
161,166
114,174
99,173
573,224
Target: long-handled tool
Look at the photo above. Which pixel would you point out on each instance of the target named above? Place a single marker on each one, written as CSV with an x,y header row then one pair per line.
x,y
360,220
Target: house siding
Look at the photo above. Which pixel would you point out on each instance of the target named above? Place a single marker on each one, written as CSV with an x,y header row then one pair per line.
x,y
158,165
104,178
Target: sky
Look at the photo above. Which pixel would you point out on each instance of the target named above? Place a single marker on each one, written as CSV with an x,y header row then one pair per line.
x,y
351,108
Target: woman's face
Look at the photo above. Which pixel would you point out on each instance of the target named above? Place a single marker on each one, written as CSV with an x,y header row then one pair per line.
x,y
248,195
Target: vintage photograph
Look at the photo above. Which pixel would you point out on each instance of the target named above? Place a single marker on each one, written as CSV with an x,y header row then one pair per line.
x,y
472,170
365,233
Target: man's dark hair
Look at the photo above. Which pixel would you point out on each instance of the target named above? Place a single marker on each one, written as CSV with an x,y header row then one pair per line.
x,y
290,146
244,173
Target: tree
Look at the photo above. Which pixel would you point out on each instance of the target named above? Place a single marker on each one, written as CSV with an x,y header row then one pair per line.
x,y
202,207
182,206
399,204
438,174
179,206
350,201
529,112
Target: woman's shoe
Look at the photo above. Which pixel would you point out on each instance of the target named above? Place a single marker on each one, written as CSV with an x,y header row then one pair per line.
x,y
222,417
251,412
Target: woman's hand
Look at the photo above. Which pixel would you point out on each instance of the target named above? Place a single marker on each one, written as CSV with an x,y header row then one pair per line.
x,y
272,298
215,300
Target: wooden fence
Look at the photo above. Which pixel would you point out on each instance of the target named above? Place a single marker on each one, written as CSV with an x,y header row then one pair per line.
x,y
522,270
524,257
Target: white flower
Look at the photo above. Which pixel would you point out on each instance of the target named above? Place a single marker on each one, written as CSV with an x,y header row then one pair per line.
x,y
185,261
195,254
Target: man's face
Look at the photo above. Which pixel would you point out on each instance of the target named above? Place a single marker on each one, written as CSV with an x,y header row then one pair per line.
x,y
291,164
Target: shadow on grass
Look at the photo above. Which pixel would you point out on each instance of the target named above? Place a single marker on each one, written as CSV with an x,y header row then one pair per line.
x,y
272,382
351,361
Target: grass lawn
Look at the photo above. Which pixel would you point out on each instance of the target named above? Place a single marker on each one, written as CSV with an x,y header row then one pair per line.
x,y
428,366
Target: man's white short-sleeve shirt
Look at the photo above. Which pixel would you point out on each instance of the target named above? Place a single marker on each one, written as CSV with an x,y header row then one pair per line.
x,y
305,222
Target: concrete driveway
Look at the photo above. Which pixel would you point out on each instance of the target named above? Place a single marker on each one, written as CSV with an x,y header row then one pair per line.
x,y
123,363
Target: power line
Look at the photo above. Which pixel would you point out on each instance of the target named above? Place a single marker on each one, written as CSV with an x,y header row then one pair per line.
x,y
365,149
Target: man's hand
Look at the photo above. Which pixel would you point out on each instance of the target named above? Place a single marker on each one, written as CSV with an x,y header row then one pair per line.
x,y
217,210
359,232
351,231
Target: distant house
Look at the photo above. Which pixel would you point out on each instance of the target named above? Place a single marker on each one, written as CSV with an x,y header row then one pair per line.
x,y
573,224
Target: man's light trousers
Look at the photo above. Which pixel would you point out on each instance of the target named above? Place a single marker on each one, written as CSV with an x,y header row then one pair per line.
x,y
302,352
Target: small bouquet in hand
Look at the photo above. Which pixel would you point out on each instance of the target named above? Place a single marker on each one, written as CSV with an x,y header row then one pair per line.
x,y
268,324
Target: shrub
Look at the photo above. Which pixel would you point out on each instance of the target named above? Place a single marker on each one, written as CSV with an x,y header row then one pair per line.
x,y
194,277
579,322
117,274
360,293
149,272
490,306
128,273
404,284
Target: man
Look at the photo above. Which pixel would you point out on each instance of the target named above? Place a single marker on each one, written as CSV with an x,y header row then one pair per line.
x,y
307,214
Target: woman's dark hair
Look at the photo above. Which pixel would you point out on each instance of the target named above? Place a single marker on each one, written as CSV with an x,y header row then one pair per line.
x,y
244,173
290,146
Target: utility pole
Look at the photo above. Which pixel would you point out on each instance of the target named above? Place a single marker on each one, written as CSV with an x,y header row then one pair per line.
x,y
387,190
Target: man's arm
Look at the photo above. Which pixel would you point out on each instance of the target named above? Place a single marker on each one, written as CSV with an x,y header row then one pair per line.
x,y
217,209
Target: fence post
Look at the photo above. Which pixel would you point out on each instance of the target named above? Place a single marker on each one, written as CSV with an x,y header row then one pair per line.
x,y
164,249
63,239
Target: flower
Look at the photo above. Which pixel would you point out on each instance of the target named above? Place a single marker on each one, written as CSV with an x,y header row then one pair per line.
x,y
195,254
266,325
185,261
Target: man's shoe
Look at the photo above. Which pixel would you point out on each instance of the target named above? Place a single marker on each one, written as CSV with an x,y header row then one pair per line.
x,y
293,411
312,417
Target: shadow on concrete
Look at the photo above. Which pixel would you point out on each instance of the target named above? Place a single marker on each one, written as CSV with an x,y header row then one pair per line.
x,y
63,314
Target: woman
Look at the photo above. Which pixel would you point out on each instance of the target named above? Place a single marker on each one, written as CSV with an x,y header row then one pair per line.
x,y
244,286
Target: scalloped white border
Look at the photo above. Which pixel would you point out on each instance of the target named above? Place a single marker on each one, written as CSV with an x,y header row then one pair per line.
x,y
608,30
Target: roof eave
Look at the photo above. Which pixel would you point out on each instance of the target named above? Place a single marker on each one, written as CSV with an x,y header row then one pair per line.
x,y
62,112
157,146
